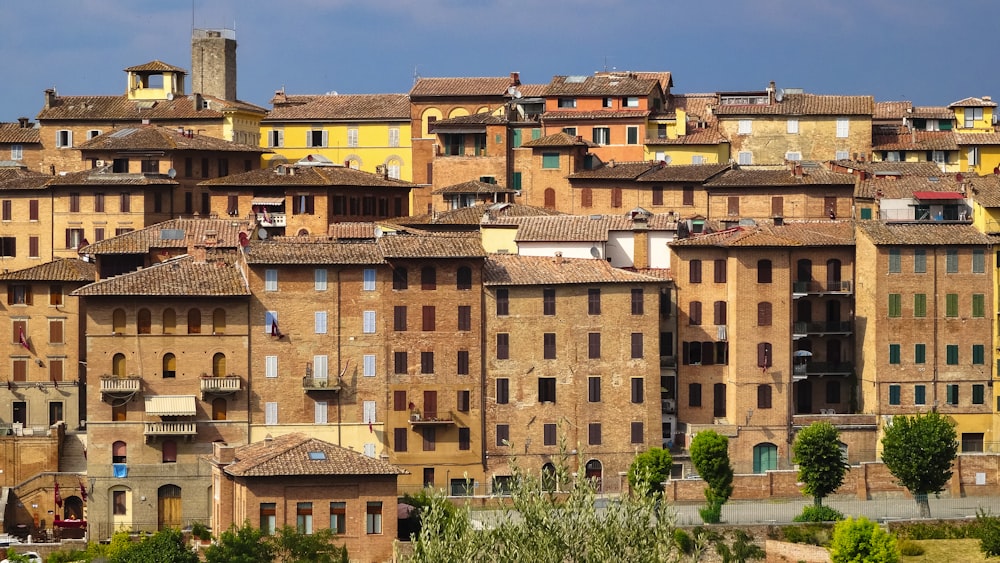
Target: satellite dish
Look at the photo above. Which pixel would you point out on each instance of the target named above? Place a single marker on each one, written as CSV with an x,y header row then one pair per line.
x,y
595,252
170,96
171,173
779,94
262,233
514,92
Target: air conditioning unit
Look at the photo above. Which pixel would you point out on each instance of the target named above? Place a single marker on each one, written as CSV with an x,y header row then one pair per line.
x,y
99,163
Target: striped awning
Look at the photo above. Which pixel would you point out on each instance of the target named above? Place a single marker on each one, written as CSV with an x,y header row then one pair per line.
x,y
273,201
171,405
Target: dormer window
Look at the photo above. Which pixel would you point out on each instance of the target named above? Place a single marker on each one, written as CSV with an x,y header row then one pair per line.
x,y
567,102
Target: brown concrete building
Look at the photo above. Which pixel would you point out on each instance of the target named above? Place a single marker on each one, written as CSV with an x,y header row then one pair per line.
x,y
781,192
570,378
367,339
308,484
168,349
20,144
305,198
545,169
779,343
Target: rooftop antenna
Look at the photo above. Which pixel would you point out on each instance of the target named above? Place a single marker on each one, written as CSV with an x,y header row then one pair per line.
x,y
416,75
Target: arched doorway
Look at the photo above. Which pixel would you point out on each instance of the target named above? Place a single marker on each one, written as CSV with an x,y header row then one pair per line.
x,y
549,477
168,507
594,472
72,508
549,198
765,457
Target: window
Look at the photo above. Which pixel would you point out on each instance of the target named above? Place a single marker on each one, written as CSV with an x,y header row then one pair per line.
x,y
616,197
74,238
64,138
594,345
764,355
630,102
143,322
429,435
719,310
304,518
951,354
972,115
694,394
895,263
978,397
951,261
720,271
566,102
832,392
368,322
546,389
399,318
894,394
33,247
303,205
119,503
369,280
978,261
394,136
549,345
503,346
55,331
270,280
763,396
594,434
687,196
978,354
352,136
745,127
894,354
919,395
792,126
978,305
428,278
843,127
586,197
920,305
548,434
319,322
919,353
694,313
919,261
602,135
268,512
593,301
951,392
503,434
694,271
16,152
550,160
638,390
271,413
637,433
636,346
744,158
338,510
657,195
373,517
764,271
399,361
895,305
426,362
18,294
549,302
194,321
462,401
503,390
368,365
951,305
463,278
271,323
594,389
399,278
428,317
33,210
632,135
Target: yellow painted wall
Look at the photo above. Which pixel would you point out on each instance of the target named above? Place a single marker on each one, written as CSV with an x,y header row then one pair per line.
x,y
989,158
975,423
684,154
496,239
372,148
984,125
352,436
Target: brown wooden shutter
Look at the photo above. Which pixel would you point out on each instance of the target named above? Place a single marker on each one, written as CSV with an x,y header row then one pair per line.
x,y
56,332
430,404
56,370
399,400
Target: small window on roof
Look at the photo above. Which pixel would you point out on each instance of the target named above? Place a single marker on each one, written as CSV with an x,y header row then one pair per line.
x,y
317,455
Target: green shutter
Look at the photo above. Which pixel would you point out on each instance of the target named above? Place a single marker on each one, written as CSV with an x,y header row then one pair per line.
x,y
951,261
978,261
951,305
895,305
919,353
894,353
517,138
633,135
977,394
894,394
952,395
550,160
978,305
866,212
978,354
952,354
919,395
536,133
919,261
895,263
920,305
516,181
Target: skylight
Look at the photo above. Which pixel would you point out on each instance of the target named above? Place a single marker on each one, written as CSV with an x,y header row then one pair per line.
x,y
317,456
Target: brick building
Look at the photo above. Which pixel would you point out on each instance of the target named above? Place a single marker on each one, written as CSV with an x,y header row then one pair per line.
x,y
308,484
782,192
568,378
20,144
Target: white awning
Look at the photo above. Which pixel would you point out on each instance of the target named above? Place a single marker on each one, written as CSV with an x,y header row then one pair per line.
x,y
271,201
171,405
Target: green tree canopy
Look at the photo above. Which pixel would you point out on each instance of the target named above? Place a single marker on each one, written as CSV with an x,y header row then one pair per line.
x,y
821,463
165,546
919,452
710,455
649,470
245,544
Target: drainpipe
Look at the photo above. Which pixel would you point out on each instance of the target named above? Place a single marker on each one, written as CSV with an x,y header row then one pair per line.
x,y
937,359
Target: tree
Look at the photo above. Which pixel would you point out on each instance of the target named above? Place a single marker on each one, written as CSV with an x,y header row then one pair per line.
x,y
245,544
650,469
821,463
165,546
540,525
919,452
862,541
710,455
291,546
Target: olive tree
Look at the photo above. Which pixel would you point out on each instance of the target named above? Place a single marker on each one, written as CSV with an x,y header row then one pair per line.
x,y
919,452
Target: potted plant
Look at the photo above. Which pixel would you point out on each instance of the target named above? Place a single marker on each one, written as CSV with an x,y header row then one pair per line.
x,y
201,531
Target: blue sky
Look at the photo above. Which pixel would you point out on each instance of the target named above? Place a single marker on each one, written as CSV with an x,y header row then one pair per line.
x,y
932,52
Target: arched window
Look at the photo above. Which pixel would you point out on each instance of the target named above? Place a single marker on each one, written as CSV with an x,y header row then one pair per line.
x,y
804,270
394,166
549,477
168,507
119,452
118,365
594,472
219,321
765,457
169,451
833,275
719,400
219,364
169,365
118,321
169,321
587,197
764,271
194,321
464,278
550,198
143,322
302,233
803,312
219,408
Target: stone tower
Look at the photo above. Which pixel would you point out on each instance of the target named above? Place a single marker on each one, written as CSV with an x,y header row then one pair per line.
x,y
213,63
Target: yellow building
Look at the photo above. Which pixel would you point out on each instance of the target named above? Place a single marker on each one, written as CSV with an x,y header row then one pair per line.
x,y
369,132
985,202
977,139
686,133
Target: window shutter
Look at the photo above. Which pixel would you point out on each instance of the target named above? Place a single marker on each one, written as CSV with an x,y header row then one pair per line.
x,y
271,414
320,412
694,315
369,412
271,366
369,365
320,322
320,367
326,139
720,312
764,357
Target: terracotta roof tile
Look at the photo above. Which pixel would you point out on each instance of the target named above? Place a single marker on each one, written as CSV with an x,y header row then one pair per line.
x,y
665,78
932,234
61,269
753,177
704,136
513,269
312,250
932,112
560,139
289,455
794,233
897,168
155,66
307,175
902,187
473,215
986,190
336,107
120,108
533,90
15,134
475,187
973,103
154,137
22,179
805,104
602,85
353,230
963,139
695,105
891,110
175,233
105,177
581,228
432,246
478,120
612,170
683,172
460,87
177,277
598,115
914,141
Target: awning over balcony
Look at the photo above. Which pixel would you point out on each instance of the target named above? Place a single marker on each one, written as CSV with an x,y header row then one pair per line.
x,y
171,405
271,201
937,195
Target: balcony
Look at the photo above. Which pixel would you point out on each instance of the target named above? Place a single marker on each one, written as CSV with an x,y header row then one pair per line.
x,y
224,385
803,288
117,386
431,419
271,220
311,383
835,328
154,429
822,368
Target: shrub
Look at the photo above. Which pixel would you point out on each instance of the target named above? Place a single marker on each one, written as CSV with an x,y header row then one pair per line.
x,y
811,534
910,548
683,541
862,540
815,513
934,530
711,513
988,530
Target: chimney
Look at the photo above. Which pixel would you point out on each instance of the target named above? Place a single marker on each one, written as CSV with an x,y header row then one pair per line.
x,y
196,99
559,258
579,138
24,122
50,98
987,98
211,237
180,130
224,453
779,220
611,163
515,79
